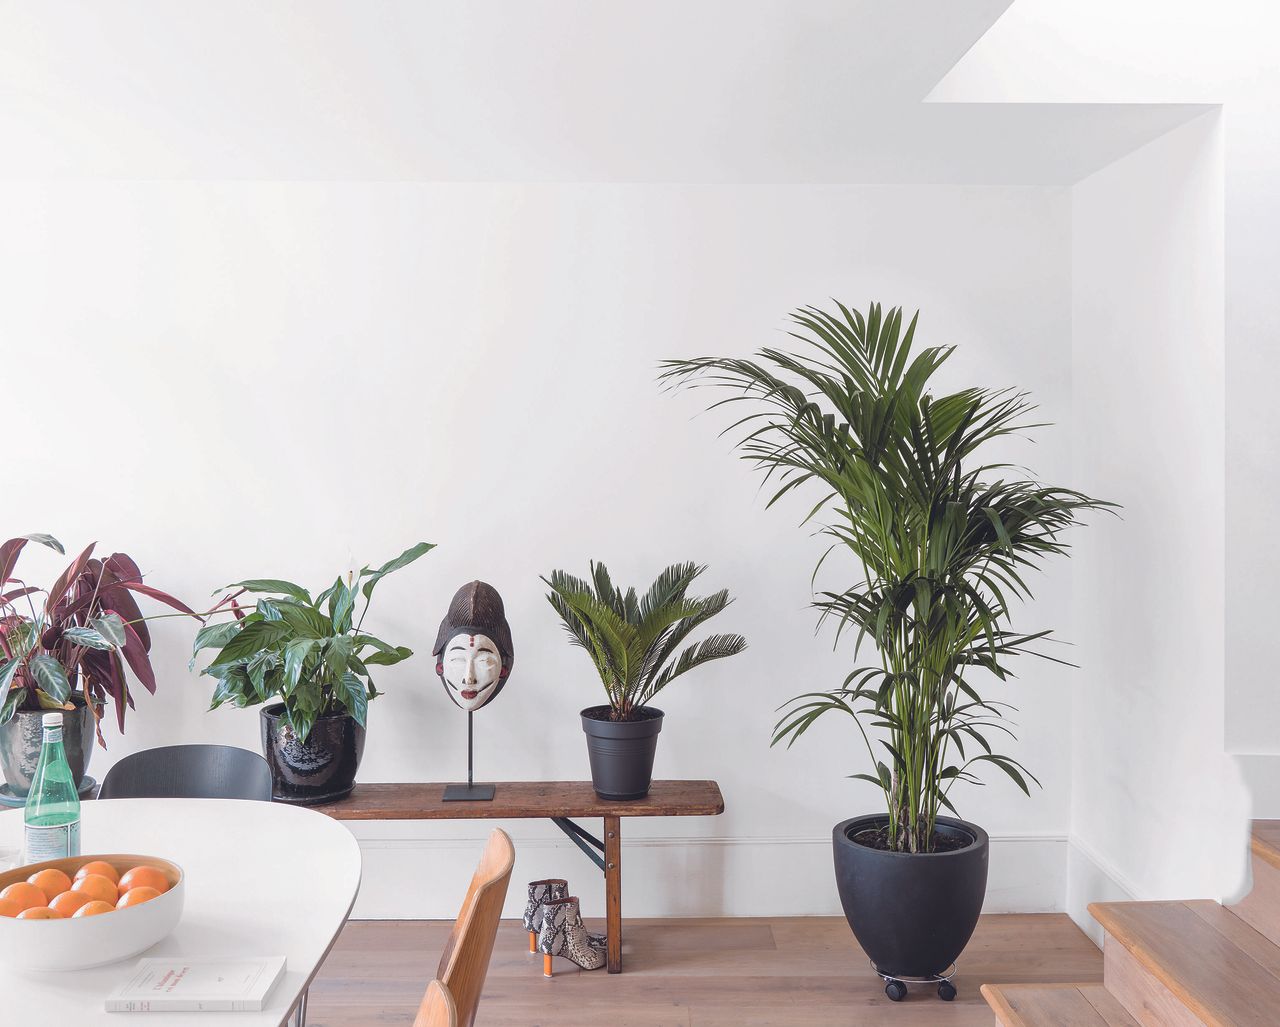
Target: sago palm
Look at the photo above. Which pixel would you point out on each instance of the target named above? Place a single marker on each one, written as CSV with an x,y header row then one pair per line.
x,y
632,640
943,537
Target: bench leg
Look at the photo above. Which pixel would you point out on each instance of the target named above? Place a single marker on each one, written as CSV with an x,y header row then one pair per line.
x,y
613,891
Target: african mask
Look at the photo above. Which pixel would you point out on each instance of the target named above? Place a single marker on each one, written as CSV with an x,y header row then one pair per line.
x,y
473,648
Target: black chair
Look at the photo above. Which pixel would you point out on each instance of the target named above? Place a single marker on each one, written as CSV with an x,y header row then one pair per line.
x,y
189,772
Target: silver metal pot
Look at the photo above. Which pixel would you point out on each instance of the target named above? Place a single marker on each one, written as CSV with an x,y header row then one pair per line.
x,y
21,738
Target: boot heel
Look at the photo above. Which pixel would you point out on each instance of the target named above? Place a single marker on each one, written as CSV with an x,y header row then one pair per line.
x,y
563,934
541,892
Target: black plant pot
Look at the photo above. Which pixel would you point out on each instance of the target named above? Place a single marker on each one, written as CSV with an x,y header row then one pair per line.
x,y
321,770
912,913
621,751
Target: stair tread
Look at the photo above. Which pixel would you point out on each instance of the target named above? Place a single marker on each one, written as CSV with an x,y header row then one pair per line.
x,y
1222,970
1056,1005
1265,841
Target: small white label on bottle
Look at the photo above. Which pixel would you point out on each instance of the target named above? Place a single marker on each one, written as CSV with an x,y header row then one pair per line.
x,y
57,842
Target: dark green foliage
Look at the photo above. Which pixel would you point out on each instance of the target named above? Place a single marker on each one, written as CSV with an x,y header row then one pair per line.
x,y
309,654
944,539
631,640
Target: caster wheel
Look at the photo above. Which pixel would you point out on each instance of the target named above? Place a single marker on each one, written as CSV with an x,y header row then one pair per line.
x,y
946,991
896,991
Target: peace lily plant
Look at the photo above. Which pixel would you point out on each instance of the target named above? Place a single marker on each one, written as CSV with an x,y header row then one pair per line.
x,y
312,661
310,654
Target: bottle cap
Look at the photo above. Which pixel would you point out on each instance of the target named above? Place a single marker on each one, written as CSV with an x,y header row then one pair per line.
x,y
52,720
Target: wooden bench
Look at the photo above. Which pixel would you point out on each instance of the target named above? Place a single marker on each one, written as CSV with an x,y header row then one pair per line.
x,y
558,801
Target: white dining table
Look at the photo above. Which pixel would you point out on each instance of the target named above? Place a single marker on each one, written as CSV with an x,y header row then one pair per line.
x,y
262,879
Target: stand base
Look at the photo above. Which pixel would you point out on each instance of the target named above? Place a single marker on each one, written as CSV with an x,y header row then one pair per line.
x,y
469,793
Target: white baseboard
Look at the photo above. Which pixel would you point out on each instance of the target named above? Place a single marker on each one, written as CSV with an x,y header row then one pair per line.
x,y
420,871
1092,878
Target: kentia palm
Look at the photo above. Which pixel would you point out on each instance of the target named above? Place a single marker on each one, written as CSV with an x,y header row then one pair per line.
x,y
943,538
633,642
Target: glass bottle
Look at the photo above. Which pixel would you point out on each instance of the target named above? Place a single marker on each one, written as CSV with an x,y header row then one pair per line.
x,y
52,814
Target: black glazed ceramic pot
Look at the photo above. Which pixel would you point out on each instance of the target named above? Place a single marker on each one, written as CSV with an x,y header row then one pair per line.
x,y
912,913
321,770
621,751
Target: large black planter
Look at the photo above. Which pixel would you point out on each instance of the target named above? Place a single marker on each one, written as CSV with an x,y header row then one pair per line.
x,y
621,751
321,770
912,913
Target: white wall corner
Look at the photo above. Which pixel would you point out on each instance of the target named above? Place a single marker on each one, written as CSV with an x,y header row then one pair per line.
x,y
1092,878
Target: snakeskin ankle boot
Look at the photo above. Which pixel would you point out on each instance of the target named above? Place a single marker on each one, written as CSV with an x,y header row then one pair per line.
x,y
540,893
563,934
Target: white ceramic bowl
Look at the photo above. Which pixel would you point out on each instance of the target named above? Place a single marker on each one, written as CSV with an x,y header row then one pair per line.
x,y
79,943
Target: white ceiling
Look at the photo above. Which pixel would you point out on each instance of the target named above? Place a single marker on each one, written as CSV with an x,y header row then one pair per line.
x,y
529,90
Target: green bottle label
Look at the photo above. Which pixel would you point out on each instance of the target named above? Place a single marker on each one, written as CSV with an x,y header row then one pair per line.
x,y
55,842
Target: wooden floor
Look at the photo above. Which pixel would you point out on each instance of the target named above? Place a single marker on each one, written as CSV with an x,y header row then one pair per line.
x,y
791,972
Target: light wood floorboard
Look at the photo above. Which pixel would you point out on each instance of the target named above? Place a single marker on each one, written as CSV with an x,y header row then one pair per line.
x,y
780,972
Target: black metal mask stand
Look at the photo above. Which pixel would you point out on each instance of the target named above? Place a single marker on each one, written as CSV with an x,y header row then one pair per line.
x,y
469,791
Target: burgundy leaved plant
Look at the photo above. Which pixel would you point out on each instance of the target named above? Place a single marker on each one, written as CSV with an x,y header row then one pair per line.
x,y
75,638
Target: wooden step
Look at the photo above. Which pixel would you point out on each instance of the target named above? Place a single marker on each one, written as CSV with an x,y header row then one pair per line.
x,y
1265,841
1055,1005
1187,963
1261,907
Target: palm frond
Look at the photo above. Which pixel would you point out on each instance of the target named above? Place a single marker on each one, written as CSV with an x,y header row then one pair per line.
x,y
944,541
630,639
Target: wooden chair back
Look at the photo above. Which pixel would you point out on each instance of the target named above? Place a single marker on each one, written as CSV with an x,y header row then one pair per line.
x,y
437,1009
465,960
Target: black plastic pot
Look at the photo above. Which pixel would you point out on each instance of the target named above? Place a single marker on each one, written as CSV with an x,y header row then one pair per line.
x,y
621,751
321,770
912,913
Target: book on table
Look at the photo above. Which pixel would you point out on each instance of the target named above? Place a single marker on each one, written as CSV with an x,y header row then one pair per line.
x,y
172,984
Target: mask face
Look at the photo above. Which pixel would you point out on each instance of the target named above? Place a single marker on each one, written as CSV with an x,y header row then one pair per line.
x,y
471,668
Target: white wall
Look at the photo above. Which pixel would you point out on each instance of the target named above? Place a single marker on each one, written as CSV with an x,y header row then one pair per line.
x,y
234,379
1158,810
1055,51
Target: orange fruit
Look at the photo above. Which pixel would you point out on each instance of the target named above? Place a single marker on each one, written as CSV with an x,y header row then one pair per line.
x,y
136,896
52,882
93,909
68,902
96,887
9,908
101,868
25,895
39,913
144,877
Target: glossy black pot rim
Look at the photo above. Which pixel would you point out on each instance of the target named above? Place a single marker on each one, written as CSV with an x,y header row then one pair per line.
x,y
846,828
275,710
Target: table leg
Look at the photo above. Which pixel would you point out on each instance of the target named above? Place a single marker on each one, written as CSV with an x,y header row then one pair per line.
x,y
298,1018
613,891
